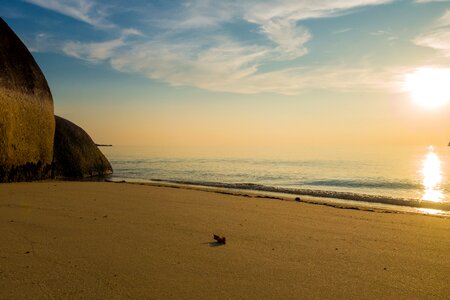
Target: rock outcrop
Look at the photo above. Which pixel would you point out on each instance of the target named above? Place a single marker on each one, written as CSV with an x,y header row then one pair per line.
x,y
75,153
27,122
30,147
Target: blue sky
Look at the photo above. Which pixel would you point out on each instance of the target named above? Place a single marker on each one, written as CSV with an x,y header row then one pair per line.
x,y
161,53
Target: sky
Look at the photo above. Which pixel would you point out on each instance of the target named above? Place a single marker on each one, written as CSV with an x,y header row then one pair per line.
x,y
244,73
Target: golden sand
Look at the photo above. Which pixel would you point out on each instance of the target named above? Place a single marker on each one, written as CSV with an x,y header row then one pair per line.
x,y
107,240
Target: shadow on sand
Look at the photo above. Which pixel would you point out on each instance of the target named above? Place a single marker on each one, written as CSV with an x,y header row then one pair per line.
x,y
213,244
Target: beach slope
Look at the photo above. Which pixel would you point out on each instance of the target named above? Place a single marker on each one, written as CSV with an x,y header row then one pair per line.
x,y
117,240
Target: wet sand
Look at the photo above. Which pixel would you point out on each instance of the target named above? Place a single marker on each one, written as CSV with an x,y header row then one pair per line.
x,y
117,240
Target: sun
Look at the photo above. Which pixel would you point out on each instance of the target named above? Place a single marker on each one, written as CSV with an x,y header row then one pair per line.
x,y
429,87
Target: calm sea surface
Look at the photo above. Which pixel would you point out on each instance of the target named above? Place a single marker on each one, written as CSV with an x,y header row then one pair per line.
x,y
415,173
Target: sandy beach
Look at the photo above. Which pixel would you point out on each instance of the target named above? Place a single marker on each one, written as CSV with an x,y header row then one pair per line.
x,y
115,240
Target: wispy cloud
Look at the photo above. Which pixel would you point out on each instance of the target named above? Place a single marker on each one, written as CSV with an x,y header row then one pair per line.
x,y
429,1
277,20
341,31
384,33
227,67
438,37
98,51
199,14
191,47
83,10
43,42
93,52
379,32
289,37
444,20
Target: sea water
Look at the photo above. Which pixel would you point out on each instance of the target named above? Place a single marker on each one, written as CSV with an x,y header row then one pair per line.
x,y
395,175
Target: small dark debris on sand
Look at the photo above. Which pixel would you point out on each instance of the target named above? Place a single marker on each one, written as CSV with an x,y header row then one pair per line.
x,y
298,199
220,240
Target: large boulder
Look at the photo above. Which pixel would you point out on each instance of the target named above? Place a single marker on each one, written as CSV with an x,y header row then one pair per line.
x,y
27,124
75,153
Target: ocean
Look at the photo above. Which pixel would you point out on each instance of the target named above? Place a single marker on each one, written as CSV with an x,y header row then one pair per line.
x,y
402,176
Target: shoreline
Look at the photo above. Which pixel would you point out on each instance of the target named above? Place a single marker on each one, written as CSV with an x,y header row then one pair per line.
x,y
69,239
327,198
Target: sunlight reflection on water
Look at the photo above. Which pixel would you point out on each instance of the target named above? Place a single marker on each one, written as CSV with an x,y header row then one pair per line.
x,y
416,173
432,177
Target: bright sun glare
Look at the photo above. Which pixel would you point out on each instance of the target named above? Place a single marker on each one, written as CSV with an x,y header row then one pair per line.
x,y
429,87
432,177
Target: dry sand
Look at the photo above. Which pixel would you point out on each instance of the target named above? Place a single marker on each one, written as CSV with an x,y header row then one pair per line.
x,y
106,240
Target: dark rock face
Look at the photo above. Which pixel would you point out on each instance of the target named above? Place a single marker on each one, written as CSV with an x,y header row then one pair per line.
x,y
30,148
27,124
75,153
